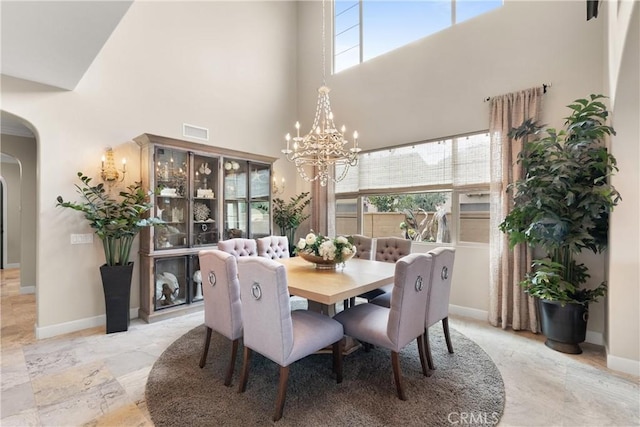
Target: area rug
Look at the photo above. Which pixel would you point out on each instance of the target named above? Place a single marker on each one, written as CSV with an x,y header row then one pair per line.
x,y
465,389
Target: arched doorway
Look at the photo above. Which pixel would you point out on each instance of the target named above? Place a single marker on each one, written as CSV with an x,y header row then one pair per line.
x,y
19,210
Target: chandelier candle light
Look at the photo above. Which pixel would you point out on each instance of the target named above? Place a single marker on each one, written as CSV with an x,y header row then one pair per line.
x,y
324,146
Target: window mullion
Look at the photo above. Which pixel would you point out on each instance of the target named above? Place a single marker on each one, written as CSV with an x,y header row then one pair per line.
x,y
453,12
360,6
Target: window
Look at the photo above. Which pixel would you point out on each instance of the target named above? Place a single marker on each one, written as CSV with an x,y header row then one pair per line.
x,y
433,191
364,29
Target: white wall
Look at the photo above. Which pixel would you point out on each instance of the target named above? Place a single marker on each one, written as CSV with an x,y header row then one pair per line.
x,y
624,261
435,88
227,66
11,173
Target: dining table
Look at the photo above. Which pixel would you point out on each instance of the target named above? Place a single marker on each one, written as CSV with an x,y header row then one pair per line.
x,y
324,288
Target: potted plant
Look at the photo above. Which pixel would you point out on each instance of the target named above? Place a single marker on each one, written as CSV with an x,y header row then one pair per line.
x,y
288,216
562,206
116,222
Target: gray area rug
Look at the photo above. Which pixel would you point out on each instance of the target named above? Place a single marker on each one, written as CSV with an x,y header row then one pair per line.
x,y
465,389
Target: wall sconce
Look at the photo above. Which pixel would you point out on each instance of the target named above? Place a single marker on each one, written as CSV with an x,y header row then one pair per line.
x,y
109,172
275,188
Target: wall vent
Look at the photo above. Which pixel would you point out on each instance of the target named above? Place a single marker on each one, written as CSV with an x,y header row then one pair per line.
x,y
196,132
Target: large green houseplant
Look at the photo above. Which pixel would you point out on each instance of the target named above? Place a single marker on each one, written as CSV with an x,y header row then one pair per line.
x,y
116,221
562,206
289,215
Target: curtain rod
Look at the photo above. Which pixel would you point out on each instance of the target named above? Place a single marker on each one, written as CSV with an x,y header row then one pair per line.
x,y
545,86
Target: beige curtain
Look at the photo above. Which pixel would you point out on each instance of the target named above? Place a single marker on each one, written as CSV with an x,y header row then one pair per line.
x,y
508,304
323,214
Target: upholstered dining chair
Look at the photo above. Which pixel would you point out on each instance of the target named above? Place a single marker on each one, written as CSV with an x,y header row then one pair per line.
x,y
438,305
395,327
239,247
273,330
365,247
273,247
388,249
222,306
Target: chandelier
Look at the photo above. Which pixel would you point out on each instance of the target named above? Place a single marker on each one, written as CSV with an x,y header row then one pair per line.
x,y
324,147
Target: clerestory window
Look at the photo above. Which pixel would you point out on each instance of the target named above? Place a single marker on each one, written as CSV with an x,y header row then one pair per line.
x,y
364,29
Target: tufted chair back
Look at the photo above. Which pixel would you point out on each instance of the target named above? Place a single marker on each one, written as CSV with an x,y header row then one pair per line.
x,y
273,247
438,307
391,249
239,247
364,246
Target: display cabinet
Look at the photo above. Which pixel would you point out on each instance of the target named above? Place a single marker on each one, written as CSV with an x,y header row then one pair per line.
x,y
203,194
247,187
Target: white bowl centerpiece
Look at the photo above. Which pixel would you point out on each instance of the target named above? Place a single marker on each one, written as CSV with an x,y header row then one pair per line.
x,y
324,251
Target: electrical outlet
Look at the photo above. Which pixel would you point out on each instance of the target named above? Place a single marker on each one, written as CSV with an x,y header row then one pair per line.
x,y
81,239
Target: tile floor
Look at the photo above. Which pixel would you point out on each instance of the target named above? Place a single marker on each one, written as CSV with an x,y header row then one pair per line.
x,y
89,378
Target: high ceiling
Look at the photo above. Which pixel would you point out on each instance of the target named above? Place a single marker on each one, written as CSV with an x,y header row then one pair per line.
x,y
53,42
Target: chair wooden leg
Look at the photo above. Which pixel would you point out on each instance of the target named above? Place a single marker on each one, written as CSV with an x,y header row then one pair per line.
x,y
427,349
282,392
447,337
338,346
232,362
244,375
423,360
397,374
205,350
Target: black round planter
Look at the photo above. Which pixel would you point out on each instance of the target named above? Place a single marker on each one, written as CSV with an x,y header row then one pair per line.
x,y
564,326
116,282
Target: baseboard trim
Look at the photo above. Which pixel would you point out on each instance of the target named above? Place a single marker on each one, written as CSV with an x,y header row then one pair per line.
x,y
628,366
12,265
27,290
76,325
473,313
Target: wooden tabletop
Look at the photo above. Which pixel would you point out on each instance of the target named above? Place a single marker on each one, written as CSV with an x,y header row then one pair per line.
x,y
332,286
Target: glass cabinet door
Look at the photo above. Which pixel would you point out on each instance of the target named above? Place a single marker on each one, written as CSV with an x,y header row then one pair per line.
x,y
259,191
171,173
205,207
235,198
171,282
196,279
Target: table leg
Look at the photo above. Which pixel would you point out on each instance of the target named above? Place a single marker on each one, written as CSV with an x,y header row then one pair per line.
x,y
351,344
327,310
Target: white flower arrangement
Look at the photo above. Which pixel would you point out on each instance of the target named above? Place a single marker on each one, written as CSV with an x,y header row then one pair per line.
x,y
338,250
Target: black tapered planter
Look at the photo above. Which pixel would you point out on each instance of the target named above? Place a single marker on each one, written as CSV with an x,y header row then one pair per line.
x,y
564,326
116,282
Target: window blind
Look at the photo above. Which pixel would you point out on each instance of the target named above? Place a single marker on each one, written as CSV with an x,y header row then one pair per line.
x,y
453,162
